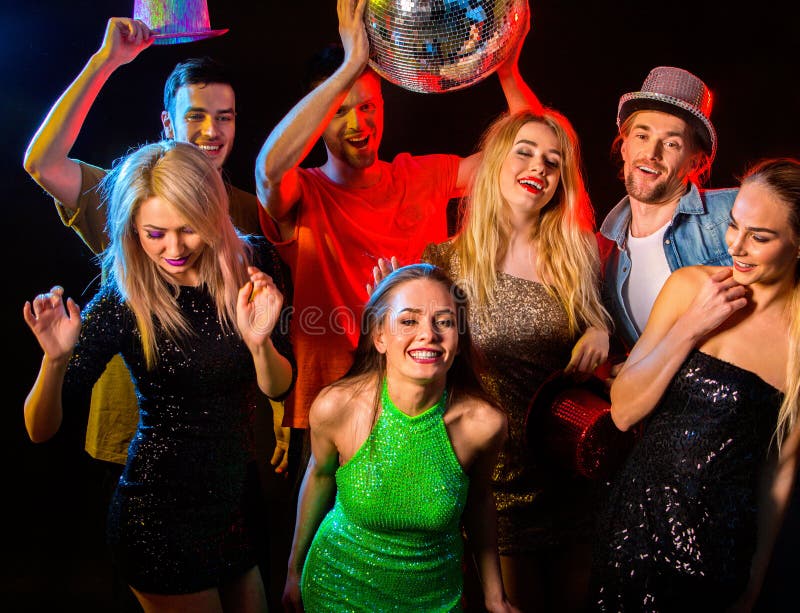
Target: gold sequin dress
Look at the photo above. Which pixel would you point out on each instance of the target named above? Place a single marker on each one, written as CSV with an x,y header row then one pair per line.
x,y
524,337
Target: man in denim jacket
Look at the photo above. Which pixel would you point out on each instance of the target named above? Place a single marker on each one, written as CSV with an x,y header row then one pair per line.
x,y
667,144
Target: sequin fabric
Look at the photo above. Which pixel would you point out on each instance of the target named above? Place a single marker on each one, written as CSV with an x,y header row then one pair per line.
x,y
524,338
178,521
392,541
678,530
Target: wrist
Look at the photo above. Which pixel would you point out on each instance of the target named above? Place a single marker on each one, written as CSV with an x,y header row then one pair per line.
x,y
102,63
262,350
57,361
495,604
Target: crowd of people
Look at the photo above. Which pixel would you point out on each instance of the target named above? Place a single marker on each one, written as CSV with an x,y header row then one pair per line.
x,y
394,362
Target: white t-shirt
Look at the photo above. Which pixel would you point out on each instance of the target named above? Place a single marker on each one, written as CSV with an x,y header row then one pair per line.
x,y
649,271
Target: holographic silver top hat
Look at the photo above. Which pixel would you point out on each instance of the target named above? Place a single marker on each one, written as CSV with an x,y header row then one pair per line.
x,y
678,92
176,21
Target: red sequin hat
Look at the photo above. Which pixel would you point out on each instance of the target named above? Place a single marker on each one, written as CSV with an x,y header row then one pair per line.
x,y
569,424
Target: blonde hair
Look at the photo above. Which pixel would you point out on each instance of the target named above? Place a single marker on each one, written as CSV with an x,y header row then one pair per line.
x,y
568,261
782,177
182,176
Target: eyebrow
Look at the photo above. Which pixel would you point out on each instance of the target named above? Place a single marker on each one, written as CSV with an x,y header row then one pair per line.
x,y
647,128
149,226
755,228
533,143
417,311
201,109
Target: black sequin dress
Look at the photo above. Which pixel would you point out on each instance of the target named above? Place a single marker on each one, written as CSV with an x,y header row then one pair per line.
x,y
182,518
679,529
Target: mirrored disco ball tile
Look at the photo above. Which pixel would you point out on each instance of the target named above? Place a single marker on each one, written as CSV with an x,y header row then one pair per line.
x,y
434,46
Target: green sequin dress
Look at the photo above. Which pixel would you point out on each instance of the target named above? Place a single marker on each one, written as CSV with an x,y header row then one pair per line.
x,y
392,541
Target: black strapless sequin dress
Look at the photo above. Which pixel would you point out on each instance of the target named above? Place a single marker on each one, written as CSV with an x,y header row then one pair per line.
x,y
678,530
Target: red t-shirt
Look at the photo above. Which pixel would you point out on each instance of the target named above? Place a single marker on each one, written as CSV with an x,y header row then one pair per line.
x,y
339,235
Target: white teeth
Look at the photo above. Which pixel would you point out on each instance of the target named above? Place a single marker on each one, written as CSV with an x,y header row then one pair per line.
x,y
647,170
532,183
210,147
425,355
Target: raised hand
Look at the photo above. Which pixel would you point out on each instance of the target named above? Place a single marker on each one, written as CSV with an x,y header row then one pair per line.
x,y
513,58
124,39
55,325
382,270
352,30
258,308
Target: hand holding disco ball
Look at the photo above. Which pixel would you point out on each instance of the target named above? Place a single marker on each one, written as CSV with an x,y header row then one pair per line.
x,y
435,46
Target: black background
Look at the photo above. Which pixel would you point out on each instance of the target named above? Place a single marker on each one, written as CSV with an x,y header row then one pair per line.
x,y
580,57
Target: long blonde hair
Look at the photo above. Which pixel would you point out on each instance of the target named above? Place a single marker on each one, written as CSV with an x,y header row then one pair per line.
x,y
181,175
782,177
567,261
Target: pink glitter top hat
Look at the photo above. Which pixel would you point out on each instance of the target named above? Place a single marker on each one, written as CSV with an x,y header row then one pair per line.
x,y
176,21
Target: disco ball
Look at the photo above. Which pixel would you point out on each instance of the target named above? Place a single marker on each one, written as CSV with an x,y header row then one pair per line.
x,y
434,46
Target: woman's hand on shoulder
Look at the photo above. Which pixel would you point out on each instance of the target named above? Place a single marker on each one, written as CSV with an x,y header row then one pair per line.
x,y
589,352
715,296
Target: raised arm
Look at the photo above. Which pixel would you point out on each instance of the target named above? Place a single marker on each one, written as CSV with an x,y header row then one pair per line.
x,y
316,492
519,97
692,303
46,159
293,138
56,327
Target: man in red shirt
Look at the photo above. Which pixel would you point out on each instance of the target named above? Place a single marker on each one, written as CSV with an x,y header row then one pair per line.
x,y
332,224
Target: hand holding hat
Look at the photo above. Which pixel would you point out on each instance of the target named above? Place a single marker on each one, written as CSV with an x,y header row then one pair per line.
x,y
124,39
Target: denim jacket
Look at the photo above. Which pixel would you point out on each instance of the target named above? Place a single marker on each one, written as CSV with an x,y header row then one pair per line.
x,y
696,235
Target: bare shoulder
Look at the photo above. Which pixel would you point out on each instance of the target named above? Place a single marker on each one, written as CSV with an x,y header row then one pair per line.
x,y
693,275
481,420
687,281
336,403
324,412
